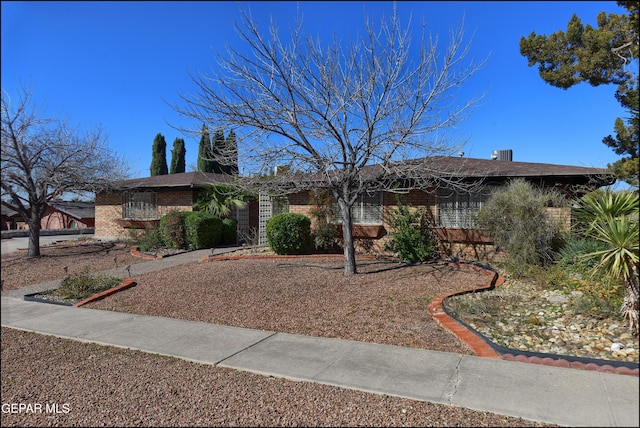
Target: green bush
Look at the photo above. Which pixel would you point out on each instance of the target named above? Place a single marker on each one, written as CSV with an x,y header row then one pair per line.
x,y
171,228
289,233
229,231
202,230
516,218
408,240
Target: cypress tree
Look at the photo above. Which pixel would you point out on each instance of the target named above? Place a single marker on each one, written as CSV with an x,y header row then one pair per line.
x,y
178,157
232,149
159,156
204,151
218,152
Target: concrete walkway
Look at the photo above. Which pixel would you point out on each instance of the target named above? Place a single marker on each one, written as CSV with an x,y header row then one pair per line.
x,y
556,395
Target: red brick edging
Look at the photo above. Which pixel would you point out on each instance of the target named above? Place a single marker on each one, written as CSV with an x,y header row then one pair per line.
x,y
135,251
127,283
473,341
483,349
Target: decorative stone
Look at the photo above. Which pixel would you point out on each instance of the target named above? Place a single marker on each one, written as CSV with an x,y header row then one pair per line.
x,y
616,346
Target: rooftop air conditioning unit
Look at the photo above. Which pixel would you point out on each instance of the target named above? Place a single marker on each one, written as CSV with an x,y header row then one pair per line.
x,y
503,155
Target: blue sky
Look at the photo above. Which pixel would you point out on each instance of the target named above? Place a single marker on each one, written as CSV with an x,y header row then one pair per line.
x,y
118,64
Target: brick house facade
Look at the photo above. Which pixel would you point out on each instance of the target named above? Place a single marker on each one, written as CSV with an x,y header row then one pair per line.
x,y
449,213
135,204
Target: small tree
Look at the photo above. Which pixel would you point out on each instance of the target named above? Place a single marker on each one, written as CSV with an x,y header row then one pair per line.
x,y
178,154
159,156
516,218
44,158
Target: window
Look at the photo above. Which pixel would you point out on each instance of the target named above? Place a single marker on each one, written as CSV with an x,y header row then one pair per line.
x,y
366,210
140,206
460,209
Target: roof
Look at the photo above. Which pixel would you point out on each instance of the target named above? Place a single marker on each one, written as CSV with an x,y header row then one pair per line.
x,y
7,211
76,209
459,167
473,169
185,180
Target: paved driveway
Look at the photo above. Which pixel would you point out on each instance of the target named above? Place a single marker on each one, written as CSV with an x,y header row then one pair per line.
x,y
13,244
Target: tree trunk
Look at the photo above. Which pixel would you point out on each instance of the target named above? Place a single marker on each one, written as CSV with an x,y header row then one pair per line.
x,y
34,239
631,303
347,238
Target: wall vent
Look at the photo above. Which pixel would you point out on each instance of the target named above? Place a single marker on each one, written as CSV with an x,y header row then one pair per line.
x,y
503,155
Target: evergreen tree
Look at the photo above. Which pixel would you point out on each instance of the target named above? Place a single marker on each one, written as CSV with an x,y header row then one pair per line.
x,y
604,55
204,151
218,150
231,146
178,162
159,156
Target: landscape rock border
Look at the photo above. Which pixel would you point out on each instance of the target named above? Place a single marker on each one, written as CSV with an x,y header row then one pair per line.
x,y
126,283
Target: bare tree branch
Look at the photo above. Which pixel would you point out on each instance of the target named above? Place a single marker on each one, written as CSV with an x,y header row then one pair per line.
x,y
333,110
44,158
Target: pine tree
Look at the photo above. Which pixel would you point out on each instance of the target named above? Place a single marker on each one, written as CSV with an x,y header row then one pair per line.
x,y
204,151
159,156
231,146
598,56
178,157
218,152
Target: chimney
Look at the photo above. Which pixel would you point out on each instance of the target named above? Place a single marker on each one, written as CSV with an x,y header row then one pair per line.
x,y
503,155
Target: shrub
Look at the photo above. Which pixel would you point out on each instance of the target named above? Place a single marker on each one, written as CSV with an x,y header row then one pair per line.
x,y
172,231
573,253
408,240
289,233
149,239
82,285
229,231
516,218
323,233
202,230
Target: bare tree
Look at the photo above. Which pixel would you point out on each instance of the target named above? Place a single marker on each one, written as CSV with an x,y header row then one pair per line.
x,y
330,111
44,158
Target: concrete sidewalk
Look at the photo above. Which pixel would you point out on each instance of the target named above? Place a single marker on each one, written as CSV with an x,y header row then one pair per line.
x,y
535,392
562,396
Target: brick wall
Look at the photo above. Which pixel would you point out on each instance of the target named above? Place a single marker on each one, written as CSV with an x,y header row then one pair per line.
x,y
466,244
109,210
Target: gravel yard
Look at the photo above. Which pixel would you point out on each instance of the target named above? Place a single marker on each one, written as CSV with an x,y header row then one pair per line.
x,y
18,271
385,303
94,385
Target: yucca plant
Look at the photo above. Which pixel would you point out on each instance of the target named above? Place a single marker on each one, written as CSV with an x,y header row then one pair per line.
x,y
612,218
